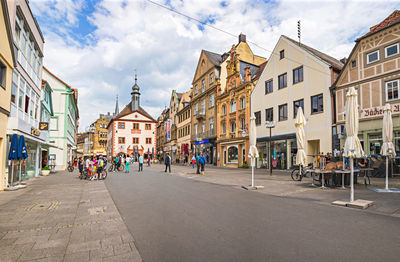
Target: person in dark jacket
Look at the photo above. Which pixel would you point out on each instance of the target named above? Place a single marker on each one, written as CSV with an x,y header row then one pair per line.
x,y
202,161
198,164
168,163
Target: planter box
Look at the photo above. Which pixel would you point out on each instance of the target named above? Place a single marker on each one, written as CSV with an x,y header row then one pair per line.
x,y
45,172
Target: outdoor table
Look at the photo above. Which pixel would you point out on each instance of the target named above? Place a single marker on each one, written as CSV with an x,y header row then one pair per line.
x,y
345,172
322,173
366,171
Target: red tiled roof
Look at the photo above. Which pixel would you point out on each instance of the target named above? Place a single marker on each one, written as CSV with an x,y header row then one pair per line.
x,y
259,71
392,19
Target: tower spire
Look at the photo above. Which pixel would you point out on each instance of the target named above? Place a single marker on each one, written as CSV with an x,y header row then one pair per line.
x,y
116,112
135,102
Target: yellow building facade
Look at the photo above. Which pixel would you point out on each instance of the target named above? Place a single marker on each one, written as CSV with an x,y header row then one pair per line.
x,y
7,62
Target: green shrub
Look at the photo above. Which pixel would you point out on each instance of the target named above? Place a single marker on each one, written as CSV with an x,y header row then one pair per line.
x,y
46,168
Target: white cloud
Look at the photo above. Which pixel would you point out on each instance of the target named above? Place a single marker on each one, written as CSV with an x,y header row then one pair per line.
x,y
164,47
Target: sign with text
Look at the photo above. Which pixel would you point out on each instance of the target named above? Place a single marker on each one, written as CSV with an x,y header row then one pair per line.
x,y
378,111
44,126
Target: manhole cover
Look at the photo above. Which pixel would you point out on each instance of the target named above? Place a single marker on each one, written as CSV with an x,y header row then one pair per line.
x,y
96,210
52,205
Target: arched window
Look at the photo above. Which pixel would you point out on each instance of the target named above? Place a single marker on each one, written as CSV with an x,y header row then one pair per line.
x,y
232,154
223,109
233,106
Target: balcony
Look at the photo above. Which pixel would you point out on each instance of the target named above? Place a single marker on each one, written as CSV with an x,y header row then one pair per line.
x,y
204,135
201,115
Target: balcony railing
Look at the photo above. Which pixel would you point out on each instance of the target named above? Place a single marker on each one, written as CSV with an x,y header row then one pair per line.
x,y
204,135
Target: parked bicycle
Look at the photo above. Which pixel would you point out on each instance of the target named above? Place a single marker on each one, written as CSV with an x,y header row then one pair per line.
x,y
296,176
70,167
114,168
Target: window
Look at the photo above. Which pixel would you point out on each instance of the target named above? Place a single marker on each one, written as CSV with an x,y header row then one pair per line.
x,y
233,106
121,140
195,89
297,75
195,129
203,86
283,112
3,69
21,94
27,99
148,126
148,140
282,81
317,104
258,117
243,124
392,90
372,57
135,140
203,126
282,54
392,50
223,128
14,88
203,106
269,114
268,86
211,100
211,78
211,123
121,125
232,154
223,110
353,63
196,109
242,103
296,105
233,127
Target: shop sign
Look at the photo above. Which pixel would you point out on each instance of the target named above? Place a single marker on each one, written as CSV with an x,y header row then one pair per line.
x,y
205,141
378,111
35,132
43,125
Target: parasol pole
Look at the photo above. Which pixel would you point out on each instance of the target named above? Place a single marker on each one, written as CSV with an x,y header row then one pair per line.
x,y
12,173
252,171
387,174
351,179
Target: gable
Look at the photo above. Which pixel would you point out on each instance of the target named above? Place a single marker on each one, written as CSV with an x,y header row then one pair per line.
x,y
203,65
135,116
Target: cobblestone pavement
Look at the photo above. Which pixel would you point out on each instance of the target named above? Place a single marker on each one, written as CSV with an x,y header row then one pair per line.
x,y
61,218
280,184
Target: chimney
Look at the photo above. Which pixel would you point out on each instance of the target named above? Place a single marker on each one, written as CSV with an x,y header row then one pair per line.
x,y
242,38
343,60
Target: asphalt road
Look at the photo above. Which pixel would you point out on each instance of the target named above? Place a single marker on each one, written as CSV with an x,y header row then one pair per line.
x,y
178,219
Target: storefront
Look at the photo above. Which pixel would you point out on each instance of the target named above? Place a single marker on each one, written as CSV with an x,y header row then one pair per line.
x,y
208,148
233,153
284,149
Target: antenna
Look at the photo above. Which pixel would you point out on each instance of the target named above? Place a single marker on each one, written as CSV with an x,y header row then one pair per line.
x,y
299,31
135,77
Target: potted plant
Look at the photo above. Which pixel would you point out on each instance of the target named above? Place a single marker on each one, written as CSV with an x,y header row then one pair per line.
x,y
45,171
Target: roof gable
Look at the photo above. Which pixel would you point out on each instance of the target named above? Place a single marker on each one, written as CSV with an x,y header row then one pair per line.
x,y
392,19
206,61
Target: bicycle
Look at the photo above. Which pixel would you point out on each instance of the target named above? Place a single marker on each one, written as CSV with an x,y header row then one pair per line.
x,y
296,176
114,168
70,167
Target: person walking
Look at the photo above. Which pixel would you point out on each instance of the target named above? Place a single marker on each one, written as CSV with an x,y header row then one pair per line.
x,y
193,161
202,163
148,160
80,167
167,163
140,163
127,162
198,164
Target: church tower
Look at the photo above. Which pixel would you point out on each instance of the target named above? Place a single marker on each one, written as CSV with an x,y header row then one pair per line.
x,y
135,96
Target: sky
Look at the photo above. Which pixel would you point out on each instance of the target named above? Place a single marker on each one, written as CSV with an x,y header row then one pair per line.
x,y
96,45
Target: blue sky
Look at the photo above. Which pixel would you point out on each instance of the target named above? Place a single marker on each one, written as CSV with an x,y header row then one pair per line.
x,y
95,45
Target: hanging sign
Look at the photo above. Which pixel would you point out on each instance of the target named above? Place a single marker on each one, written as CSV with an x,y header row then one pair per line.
x,y
35,132
44,126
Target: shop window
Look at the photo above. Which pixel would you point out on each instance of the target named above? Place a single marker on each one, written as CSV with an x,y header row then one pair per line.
x,y
317,104
232,154
268,86
283,112
373,57
392,90
269,114
391,50
282,81
258,117
121,140
296,105
297,75
121,125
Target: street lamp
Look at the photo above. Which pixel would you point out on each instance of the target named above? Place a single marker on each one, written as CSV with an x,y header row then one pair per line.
x,y
270,125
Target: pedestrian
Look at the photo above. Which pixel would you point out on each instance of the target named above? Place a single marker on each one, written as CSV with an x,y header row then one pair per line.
x,y
127,162
80,166
148,160
202,163
198,164
193,161
140,163
168,163
186,159
100,167
116,163
95,164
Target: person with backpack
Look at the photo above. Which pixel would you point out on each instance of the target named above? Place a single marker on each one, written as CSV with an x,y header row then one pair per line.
x,y
140,163
167,163
202,163
198,164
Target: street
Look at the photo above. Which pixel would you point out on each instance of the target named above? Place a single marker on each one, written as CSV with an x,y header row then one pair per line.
x,y
177,219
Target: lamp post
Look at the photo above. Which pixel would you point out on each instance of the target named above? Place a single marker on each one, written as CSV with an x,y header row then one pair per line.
x,y
270,125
